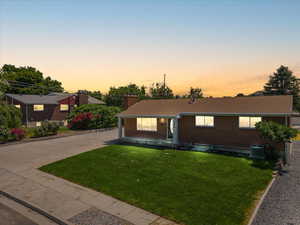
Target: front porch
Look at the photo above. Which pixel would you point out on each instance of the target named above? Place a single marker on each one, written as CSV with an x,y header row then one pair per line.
x,y
170,138
165,133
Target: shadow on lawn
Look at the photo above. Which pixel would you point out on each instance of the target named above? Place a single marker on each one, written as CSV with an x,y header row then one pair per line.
x,y
263,164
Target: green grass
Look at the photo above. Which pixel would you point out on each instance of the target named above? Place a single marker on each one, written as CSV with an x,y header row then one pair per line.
x,y
188,187
63,129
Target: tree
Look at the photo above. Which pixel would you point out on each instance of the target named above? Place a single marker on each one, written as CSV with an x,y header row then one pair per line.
x,y
283,82
3,85
96,94
160,90
195,93
27,80
240,95
115,96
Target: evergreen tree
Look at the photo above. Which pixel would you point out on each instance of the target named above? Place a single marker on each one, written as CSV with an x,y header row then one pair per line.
x,y
283,82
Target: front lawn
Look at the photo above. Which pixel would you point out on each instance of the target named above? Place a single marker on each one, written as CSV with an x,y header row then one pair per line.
x,y
188,187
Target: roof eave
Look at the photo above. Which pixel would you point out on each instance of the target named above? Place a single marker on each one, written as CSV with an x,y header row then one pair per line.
x,y
206,113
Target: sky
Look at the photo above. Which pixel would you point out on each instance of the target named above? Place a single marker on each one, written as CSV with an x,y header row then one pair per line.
x,y
224,47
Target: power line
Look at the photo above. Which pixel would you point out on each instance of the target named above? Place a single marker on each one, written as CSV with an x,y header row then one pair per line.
x,y
20,84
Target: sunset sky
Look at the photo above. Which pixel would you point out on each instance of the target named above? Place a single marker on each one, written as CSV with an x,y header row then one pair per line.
x,y
223,47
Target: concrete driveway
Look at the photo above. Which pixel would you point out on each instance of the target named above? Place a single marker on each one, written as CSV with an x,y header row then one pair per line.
x,y
73,204
282,203
35,154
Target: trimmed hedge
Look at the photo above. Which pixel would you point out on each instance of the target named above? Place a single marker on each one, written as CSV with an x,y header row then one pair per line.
x,y
93,116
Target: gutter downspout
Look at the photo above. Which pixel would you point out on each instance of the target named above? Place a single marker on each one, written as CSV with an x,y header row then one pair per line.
x,y
120,127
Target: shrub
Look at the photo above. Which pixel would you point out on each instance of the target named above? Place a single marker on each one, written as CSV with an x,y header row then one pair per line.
x,y
93,116
46,129
81,121
17,133
10,116
275,133
4,134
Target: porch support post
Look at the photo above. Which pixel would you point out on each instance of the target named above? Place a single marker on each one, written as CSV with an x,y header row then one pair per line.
x,y
120,127
175,132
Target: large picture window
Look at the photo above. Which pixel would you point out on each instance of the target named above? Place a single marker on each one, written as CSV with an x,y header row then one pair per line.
x,y
147,124
38,107
248,122
204,121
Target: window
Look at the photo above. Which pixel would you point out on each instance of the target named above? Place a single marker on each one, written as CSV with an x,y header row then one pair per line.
x,y
38,124
38,107
248,122
146,124
18,106
204,121
64,107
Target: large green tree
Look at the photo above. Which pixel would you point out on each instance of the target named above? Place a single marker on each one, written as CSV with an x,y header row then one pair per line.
x,y
160,90
115,96
96,94
283,82
27,80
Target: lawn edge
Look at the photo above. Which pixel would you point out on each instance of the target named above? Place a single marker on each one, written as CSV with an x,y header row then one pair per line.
x,y
260,201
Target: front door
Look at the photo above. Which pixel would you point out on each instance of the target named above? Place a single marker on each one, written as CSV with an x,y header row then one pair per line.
x,y
170,128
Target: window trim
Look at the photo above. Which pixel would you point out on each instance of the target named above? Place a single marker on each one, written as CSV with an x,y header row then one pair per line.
x,y
65,110
137,127
207,126
38,105
249,127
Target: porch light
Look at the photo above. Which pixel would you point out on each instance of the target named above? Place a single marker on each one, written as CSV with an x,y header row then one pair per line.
x,y
162,120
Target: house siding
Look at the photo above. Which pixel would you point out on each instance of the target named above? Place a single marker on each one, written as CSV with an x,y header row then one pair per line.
x,y
51,112
130,130
226,131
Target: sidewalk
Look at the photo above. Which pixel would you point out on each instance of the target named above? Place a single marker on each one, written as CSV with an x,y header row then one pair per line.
x,y
71,202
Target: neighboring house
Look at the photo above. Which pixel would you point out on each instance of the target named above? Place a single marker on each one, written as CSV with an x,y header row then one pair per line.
x,y
209,121
54,107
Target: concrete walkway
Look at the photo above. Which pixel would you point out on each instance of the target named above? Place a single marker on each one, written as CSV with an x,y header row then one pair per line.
x,y
282,204
69,202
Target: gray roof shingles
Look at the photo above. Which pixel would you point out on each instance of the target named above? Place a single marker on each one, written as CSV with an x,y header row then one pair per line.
x,y
38,99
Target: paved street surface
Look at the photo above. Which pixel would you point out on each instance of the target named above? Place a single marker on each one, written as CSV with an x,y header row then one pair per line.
x,y
9,216
282,204
67,201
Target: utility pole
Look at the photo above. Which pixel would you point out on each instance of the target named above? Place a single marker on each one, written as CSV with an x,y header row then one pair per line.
x,y
164,85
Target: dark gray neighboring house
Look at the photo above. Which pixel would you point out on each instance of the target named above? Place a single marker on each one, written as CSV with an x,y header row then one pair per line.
x,y
54,107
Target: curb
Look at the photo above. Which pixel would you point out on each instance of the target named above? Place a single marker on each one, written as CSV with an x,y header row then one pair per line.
x,y
53,137
261,201
34,208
